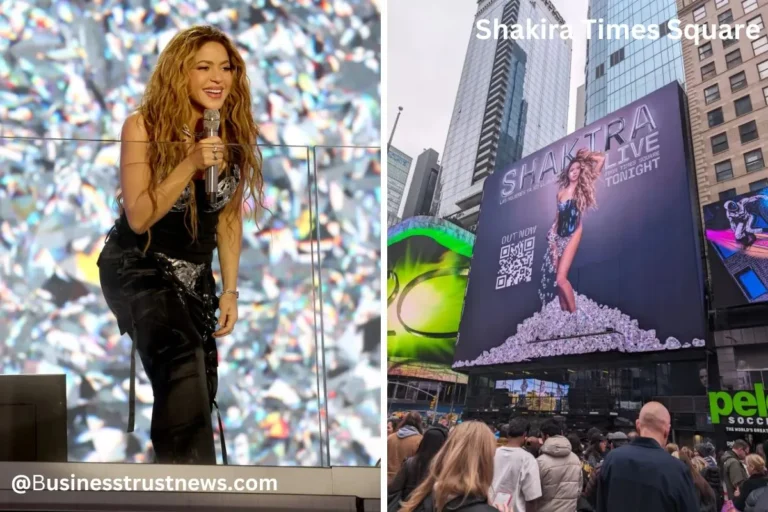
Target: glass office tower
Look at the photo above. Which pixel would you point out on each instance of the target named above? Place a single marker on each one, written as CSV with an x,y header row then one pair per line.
x,y
512,100
619,71
398,166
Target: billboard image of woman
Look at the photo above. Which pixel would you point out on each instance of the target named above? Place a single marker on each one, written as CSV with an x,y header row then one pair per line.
x,y
575,195
625,277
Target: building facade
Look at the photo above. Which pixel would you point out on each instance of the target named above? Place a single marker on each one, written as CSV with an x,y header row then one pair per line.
x,y
512,100
420,188
727,89
398,167
605,391
580,107
620,71
727,85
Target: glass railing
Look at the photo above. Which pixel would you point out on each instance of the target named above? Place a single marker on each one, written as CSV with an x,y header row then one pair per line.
x,y
300,376
346,185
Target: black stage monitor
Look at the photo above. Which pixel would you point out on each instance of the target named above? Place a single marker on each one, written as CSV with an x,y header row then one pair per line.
x,y
33,418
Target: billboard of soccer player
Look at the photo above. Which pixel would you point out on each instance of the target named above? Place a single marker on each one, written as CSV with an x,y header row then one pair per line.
x,y
737,232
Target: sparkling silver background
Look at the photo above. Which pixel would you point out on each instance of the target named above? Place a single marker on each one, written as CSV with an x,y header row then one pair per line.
x,y
300,376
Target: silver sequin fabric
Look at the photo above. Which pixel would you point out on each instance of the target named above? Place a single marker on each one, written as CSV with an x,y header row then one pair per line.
x,y
227,187
186,272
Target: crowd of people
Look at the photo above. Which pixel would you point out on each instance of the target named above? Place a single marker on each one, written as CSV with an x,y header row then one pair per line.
x,y
474,467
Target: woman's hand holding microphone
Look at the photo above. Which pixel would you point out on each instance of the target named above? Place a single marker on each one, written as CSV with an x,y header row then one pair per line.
x,y
206,153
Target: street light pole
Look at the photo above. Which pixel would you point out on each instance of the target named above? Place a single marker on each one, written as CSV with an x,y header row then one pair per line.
x,y
391,135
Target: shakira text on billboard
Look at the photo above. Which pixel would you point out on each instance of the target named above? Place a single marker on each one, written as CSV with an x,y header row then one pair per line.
x,y
737,232
589,245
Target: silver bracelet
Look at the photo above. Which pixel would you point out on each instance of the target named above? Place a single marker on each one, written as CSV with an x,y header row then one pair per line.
x,y
233,292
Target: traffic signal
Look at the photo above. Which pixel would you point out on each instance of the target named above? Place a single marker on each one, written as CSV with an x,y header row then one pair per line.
x,y
433,402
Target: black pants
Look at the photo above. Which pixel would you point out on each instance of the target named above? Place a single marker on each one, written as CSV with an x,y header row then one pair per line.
x,y
171,323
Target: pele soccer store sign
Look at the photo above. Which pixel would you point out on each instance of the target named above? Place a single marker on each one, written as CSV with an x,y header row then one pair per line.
x,y
740,411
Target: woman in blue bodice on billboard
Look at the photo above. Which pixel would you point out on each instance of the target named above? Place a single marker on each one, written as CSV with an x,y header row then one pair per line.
x,y
575,195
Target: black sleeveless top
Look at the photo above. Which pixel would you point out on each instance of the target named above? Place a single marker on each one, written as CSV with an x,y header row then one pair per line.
x,y
170,235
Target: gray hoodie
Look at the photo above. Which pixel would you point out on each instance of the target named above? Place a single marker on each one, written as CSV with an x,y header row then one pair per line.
x,y
407,431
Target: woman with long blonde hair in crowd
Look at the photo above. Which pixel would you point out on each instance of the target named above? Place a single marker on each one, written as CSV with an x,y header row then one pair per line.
x,y
155,267
460,474
752,489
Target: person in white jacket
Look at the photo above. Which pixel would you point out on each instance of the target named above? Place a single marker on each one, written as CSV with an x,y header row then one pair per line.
x,y
515,471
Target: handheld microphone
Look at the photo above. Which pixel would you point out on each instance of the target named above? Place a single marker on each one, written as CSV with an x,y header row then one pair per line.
x,y
211,121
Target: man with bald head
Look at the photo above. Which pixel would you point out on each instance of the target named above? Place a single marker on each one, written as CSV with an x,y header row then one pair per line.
x,y
641,476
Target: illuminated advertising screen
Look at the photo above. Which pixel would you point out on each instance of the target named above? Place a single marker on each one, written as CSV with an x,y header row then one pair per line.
x,y
737,232
743,411
428,264
534,394
589,245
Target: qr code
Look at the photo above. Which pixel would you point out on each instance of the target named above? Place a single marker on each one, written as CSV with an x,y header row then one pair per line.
x,y
515,263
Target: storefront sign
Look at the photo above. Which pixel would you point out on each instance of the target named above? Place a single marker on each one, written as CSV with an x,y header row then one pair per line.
x,y
740,411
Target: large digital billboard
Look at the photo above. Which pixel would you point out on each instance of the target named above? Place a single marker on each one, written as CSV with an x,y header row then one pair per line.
x,y
590,244
428,263
737,232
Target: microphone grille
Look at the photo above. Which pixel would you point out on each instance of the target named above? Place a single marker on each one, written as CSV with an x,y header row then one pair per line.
x,y
211,120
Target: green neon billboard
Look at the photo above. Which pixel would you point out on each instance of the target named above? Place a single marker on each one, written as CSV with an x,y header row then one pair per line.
x,y
428,267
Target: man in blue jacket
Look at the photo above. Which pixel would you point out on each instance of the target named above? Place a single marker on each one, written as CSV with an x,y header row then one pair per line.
x,y
642,476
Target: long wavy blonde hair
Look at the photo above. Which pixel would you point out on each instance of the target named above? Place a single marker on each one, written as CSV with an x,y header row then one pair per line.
x,y
166,105
585,186
462,468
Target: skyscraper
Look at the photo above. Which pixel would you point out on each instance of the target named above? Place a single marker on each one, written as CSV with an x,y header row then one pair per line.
x,y
398,166
512,100
580,106
618,70
420,188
